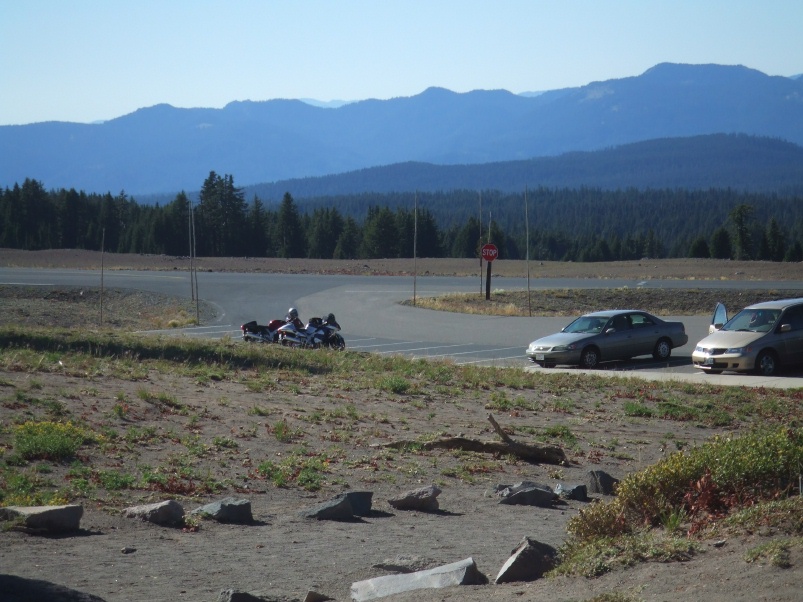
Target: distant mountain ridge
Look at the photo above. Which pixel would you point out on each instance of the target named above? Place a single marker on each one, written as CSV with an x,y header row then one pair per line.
x,y
162,149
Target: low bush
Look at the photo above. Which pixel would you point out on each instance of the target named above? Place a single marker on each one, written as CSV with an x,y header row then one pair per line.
x,y
711,479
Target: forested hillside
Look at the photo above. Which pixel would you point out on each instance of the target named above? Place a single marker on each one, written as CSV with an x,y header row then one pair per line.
x,y
586,224
740,162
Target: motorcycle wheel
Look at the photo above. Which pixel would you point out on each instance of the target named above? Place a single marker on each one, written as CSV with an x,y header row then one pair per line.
x,y
338,343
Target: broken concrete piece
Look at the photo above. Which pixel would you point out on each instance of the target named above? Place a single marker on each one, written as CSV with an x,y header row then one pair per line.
x,y
464,572
55,519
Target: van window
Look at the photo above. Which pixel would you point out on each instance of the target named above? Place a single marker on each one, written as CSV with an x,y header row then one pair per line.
x,y
794,317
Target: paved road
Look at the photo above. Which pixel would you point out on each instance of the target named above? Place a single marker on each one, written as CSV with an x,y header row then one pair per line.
x,y
367,308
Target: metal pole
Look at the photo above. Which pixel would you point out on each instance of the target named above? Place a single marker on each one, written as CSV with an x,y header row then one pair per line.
x,y
415,244
102,248
479,242
527,230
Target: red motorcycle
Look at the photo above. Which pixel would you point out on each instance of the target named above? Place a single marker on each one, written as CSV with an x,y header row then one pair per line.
x,y
258,333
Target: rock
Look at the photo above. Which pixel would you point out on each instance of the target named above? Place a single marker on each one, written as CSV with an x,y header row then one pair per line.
x,y
19,589
360,501
338,508
529,561
54,519
227,510
572,492
424,499
233,595
526,493
464,572
162,513
313,596
599,481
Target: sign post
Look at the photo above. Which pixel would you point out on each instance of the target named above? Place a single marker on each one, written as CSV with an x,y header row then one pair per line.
x,y
489,253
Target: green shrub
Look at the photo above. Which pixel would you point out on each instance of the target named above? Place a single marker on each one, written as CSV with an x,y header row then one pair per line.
x,y
48,440
727,472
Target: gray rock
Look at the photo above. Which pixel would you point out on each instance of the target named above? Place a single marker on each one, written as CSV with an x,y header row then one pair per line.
x,y
464,572
19,589
599,481
54,519
313,596
424,499
168,513
227,510
529,561
361,501
572,492
526,493
338,508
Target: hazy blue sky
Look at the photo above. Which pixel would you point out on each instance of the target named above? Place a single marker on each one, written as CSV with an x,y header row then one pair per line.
x,y
86,60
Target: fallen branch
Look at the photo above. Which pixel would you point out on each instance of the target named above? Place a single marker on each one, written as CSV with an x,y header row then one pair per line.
x,y
550,454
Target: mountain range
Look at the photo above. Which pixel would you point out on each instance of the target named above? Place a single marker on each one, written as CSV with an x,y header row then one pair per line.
x,y
163,149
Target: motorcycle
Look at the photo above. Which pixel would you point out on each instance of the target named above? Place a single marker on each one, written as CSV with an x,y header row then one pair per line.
x,y
259,333
319,332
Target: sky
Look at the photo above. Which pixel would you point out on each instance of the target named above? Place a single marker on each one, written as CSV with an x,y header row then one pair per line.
x,y
93,60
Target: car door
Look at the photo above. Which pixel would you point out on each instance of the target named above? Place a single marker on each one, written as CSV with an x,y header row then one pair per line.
x,y
645,334
618,343
719,318
791,341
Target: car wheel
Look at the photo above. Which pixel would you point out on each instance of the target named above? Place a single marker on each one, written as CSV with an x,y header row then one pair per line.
x,y
766,363
663,349
589,359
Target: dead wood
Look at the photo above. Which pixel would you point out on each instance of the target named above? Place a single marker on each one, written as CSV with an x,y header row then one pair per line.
x,y
550,454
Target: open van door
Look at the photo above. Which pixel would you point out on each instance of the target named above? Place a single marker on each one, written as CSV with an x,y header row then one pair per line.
x,y
719,318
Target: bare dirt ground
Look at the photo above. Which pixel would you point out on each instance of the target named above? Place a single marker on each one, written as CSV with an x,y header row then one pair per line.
x,y
215,433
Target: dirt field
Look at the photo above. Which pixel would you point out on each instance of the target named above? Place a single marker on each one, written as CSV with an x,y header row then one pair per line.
x,y
216,432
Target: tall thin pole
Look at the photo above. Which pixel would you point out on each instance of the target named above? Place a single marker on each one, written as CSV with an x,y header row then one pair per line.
x,y
195,274
480,242
527,237
189,240
415,244
102,250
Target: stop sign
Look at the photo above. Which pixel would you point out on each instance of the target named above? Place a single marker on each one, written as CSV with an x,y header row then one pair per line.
x,y
489,252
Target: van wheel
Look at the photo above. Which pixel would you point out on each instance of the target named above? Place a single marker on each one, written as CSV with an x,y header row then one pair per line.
x,y
766,363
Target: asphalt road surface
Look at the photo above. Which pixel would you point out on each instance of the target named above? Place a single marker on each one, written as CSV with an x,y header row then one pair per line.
x,y
368,310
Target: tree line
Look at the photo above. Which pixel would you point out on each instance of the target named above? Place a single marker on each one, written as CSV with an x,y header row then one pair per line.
x,y
564,224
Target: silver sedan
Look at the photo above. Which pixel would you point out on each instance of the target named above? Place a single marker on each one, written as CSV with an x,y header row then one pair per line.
x,y
609,335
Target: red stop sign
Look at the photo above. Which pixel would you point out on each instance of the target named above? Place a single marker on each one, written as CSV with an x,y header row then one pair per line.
x,y
489,252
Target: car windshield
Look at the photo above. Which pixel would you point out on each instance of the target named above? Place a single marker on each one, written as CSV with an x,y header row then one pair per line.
x,y
753,320
588,324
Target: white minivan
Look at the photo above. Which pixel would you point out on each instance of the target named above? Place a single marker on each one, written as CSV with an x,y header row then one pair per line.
x,y
761,338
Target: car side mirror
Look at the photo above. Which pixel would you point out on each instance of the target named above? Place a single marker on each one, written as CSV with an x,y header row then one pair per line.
x,y
785,328
714,327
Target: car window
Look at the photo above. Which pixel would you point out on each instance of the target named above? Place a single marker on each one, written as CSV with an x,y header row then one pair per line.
x,y
640,320
588,324
753,320
620,322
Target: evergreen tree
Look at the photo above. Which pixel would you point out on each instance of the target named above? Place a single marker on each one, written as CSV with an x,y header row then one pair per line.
x,y
379,236
348,243
289,235
775,241
742,242
721,244
699,248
